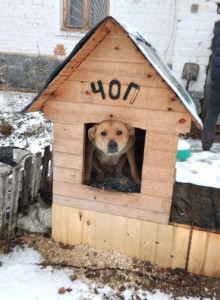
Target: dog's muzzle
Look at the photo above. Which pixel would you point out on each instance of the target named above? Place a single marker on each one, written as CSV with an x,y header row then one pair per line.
x,y
112,146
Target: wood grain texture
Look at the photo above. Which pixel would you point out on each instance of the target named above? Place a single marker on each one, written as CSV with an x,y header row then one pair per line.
x,y
162,141
74,226
179,249
103,231
198,252
157,188
70,67
148,238
160,158
112,209
135,200
158,173
164,245
211,267
75,146
60,222
68,131
149,98
68,160
67,175
115,31
204,253
39,103
132,239
88,227
142,74
120,50
117,233
162,121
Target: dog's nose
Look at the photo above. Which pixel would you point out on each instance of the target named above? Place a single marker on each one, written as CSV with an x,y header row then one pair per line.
x,y
112,146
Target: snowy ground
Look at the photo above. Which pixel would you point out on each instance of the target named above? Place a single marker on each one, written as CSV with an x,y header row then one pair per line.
x,y
30,131
202,167
21,276
33,132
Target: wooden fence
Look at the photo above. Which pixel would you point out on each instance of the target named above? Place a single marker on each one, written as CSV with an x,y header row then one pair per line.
x,y
20,186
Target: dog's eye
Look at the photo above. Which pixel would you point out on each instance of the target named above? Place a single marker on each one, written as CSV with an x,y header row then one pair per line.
x,y
119,132
103,133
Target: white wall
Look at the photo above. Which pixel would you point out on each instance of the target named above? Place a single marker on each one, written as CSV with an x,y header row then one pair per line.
x,y
34,26
194,33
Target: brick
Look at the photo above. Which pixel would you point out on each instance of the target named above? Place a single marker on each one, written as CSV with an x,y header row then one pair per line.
x,y
31,27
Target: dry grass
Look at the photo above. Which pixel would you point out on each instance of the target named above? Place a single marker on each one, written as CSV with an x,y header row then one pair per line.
x,y
5,127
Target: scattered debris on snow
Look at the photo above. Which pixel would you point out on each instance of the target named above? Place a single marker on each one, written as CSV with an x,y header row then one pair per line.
x,y
124,278
39,268
28,131
202,167
32,132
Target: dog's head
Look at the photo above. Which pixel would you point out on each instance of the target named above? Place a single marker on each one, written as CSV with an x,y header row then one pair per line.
x,y
111,136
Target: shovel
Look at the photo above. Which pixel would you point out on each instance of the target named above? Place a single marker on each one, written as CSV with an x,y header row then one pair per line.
x,y
190,73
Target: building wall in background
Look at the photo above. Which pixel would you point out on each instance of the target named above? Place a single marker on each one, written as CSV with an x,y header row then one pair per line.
x,y
181,31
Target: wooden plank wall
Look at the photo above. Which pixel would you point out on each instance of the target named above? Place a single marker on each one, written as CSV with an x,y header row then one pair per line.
x,y
155,110
154,201
164,245
116,57
116,221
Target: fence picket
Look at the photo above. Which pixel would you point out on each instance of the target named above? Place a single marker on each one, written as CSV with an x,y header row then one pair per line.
x,y
38,173
22,187
44,177
15,192
4,178
27,175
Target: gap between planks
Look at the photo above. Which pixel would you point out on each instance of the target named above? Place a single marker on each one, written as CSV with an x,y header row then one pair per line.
x,y
142,239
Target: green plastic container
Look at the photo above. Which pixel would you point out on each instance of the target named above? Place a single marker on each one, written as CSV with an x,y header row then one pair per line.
x,y
183,151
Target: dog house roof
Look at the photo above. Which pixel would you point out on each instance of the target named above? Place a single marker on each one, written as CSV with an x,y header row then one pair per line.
x,y
151,55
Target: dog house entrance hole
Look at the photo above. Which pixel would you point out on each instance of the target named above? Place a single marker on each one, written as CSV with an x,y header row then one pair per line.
x,y
110,181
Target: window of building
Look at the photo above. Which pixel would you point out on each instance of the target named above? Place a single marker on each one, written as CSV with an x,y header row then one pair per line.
x,y
84,14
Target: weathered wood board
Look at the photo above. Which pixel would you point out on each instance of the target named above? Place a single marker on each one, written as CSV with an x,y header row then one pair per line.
x,y
172,122
164,245
110,77
154,201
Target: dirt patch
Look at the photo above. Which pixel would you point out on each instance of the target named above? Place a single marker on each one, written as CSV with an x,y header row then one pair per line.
x,y
125,184
116,270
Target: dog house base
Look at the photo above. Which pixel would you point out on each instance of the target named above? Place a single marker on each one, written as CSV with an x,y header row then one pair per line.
x,y
114,73
168,246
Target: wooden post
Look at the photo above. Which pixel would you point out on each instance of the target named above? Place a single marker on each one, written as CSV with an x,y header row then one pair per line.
x,y
3,201
37,174
15,192
27,176
44,176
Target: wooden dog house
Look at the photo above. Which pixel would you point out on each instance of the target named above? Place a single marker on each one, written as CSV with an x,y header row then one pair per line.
x,y
114,73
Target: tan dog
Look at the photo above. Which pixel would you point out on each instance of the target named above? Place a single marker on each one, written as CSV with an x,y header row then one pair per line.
x,y
110,144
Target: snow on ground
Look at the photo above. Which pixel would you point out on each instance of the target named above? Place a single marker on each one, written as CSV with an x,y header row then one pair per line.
x,y
31,131
202,167
23,278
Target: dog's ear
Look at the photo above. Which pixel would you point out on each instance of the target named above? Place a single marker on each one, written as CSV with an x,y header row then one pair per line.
x,y
91,132
130,129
